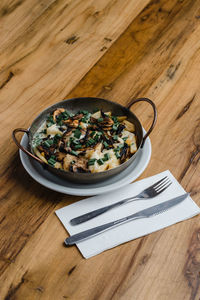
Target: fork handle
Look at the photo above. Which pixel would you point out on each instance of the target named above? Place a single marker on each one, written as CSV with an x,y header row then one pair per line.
x,y
97,212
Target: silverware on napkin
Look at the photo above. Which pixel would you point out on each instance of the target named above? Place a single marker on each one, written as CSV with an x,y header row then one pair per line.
x,y
150,192
146,213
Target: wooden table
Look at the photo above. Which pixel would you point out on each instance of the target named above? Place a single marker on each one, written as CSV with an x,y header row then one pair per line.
x,y
52,50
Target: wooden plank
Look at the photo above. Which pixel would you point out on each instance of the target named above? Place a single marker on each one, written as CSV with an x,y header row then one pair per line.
x,y
163,65
38,54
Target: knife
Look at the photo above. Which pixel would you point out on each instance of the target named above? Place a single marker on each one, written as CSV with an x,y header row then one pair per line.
x,y
145,213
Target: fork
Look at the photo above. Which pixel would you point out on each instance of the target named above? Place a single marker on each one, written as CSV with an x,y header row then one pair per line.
x,y
150,192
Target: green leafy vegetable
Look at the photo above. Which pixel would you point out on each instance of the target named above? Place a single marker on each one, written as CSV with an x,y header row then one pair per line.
x,y
77,133
100,119
106,157
106,144
100,161
78,146
72,152
50,121
115,126
48,143
91,161
52,160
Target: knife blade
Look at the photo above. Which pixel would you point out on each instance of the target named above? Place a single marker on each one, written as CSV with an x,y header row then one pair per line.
x,y
145,213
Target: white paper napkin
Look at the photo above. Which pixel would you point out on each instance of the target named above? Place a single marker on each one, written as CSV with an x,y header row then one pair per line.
x,y
130,230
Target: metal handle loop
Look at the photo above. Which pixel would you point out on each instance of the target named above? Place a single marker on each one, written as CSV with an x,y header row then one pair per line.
x,y
154,116
21,147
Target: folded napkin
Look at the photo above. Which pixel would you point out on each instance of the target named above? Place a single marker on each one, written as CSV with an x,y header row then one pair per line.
x,y
132,229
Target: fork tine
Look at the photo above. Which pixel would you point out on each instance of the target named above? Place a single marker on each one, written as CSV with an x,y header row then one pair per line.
x,y
164,188
161,180
162,184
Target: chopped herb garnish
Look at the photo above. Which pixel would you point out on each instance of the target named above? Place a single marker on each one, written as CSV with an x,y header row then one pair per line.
x,y
77,133
125,138
72,152
56,138
86,117
78,146
100,161
48,143
106,157
60,123
44,131
118,147
85,112
117,154
106,144
100,119
91,161
84,120
51,161
70,114
115,137
115,126
92,133
76,142
96,138
65,115
50,121
114,119
90,142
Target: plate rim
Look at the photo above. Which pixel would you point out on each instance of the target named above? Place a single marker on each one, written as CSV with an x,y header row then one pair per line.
x,y
90,191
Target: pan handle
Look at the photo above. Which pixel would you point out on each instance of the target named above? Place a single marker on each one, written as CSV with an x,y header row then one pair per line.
x,y
21,147
154,115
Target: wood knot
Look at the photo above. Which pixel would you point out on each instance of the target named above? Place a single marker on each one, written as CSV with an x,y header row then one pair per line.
x,y
103,48
71,270
144,259
192,266
96,13
107,87
10,75
40,289
107,39
144,18
172,70
185,108
72,40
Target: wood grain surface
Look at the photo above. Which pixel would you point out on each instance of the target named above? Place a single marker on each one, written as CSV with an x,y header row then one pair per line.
x,y
117,49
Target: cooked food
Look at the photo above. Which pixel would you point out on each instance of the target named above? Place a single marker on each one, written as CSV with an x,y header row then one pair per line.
x,y
85,142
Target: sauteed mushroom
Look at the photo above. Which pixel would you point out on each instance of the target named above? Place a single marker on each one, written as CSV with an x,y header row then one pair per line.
x,y
124,153
77,117
57,112
71,123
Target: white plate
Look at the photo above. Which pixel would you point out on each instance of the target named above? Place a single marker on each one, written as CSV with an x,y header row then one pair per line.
x,y
53,182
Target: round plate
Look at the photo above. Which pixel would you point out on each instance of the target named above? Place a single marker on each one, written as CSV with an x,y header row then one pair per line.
x,y
53,182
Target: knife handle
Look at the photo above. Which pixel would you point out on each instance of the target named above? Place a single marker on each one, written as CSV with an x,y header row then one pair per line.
x,y
97,212
96,230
